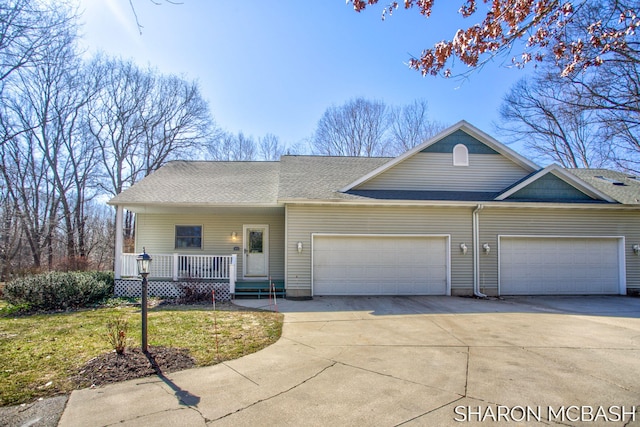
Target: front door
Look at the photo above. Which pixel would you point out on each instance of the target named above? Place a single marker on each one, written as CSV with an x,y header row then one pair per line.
x,y
256,250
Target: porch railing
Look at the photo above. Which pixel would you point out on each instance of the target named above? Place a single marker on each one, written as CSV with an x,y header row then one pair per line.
x,y
179,267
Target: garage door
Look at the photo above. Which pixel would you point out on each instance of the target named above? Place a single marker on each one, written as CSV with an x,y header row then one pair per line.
x,y
557,266
375,265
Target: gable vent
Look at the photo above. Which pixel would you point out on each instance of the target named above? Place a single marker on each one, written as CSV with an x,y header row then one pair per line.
x,y
611,180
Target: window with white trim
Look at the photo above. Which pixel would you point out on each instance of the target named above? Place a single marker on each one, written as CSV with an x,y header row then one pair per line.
x,y
188,237
460,155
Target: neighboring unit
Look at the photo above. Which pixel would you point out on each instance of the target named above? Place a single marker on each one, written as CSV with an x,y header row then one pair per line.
x,y
460,214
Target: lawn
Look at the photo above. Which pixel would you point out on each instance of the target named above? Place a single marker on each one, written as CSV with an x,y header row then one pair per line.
x,y
39,353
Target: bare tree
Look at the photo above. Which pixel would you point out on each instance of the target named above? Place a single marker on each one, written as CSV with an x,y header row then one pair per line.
x,y
410,126
50,98
611,90
99,239
10,233
176,122
141,120
230,147
39,117
588,118
356,128
361,127
26,29
31,197
297,149
114,120
270,147
534,113
155,2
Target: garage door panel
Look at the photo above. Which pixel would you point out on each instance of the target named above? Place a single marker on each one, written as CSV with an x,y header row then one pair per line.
x,y
538,266
380,265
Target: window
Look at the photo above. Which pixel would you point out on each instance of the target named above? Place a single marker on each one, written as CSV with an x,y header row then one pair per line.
x,y
255,241
189,236
460,155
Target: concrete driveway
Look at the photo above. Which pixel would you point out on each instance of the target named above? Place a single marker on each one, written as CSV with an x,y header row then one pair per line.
x,y
432,361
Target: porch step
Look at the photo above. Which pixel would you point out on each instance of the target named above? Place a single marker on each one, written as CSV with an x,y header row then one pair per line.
x,y
259,289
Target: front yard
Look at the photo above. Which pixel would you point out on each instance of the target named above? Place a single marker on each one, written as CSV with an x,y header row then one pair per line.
x,y
41,354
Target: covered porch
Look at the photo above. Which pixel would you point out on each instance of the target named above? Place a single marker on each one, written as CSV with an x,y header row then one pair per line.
x,y
232,246
177,275
177,267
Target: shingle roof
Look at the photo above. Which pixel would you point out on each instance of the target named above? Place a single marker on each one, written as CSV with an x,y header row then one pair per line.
x,y
308,178
627,191
194,182
318,177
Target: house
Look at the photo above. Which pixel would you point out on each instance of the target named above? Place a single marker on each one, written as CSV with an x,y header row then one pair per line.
x,y
460,214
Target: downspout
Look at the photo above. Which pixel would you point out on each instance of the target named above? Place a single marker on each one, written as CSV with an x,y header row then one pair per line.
x,y
476,252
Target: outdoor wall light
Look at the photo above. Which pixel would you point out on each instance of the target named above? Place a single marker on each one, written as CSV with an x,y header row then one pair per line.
x,y
299,246
463,248
486,248
636,248
234,236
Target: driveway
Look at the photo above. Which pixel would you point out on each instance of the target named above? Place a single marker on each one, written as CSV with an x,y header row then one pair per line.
x,y
405,361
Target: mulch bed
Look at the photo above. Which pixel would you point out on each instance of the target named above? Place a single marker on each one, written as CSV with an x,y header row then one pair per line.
x,y
112,367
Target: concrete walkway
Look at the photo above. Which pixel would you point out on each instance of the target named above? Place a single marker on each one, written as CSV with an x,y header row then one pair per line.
x,y
392,361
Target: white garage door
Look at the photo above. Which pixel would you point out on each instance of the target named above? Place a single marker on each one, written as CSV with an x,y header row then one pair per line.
x,y
556,266
375,265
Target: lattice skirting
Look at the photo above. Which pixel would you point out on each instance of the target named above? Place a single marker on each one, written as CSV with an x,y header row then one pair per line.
x,y
132,288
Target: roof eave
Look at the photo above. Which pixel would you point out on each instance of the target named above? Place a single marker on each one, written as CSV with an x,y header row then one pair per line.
x,y
456,203
197,205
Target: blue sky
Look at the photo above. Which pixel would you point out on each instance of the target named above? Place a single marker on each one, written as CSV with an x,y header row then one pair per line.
x,y
275,67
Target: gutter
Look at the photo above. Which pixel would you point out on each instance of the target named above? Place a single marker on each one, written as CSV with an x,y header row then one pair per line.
x,y
476,252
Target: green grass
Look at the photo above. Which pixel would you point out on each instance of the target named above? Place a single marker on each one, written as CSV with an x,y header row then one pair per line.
x,y
39,353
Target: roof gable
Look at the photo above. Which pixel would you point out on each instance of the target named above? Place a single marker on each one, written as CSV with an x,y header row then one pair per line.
x,y
553,184
446,144
491,165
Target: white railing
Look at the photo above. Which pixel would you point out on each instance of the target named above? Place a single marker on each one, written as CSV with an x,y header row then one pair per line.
x,y
179,266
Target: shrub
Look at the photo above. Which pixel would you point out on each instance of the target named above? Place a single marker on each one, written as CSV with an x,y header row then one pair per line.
x,y
103,276
192,293
117,329
53,291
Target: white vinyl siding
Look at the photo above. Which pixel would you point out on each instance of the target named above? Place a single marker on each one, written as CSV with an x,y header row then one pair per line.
x,y
557,265
303,221
495,222
156,232
435,172
380,265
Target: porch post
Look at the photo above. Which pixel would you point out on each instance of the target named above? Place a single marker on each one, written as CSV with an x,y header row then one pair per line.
x,y
175,266
117,262
232,274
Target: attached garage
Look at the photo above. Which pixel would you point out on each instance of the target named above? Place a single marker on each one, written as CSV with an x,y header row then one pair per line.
x,y
532,265
380,265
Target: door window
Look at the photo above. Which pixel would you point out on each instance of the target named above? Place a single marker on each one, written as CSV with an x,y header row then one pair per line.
x,y
255,241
